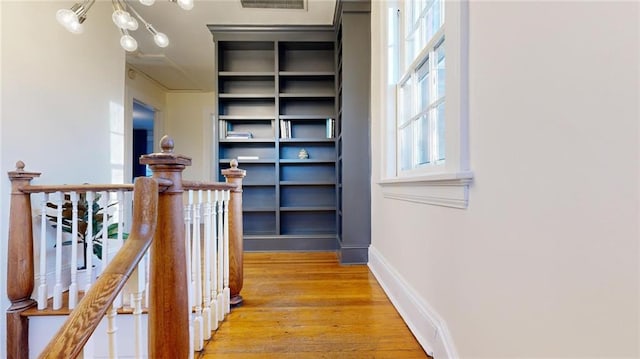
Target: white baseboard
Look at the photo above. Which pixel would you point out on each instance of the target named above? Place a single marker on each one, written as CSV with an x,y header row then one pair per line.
x,y
425,324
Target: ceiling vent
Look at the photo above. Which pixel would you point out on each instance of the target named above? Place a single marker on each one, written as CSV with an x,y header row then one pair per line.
x,y
274,4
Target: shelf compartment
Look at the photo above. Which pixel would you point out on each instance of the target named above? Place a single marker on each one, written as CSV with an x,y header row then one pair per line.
x,y
246,107
307,208
256,198
246,118
239,96
317,151
310,129
308,172
306,198
232,149
300,86
294,106
258,174
306,56
259,129
306,183
246,85
240,56
312,222
259,223
246,74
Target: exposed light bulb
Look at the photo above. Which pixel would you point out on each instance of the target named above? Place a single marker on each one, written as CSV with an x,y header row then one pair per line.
x,y
132,24
69,19
147,2
75,28
121,18
185,4
128,43
161,39
66,17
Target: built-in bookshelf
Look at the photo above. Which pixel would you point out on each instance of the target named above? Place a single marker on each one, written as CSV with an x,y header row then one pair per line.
x,y
276,114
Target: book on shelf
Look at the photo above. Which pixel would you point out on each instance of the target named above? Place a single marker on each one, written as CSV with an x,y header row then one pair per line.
x,y
285,129
247,158
239,135
330,127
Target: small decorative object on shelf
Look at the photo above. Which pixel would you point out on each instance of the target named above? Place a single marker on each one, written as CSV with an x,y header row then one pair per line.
x,y
247,158
303,154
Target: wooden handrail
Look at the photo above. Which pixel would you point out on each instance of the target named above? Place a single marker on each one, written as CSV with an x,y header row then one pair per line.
x,y
197,185
163,184
76,188
76,331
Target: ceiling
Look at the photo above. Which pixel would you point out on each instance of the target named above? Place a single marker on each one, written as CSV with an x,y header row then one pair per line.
x,y
187,64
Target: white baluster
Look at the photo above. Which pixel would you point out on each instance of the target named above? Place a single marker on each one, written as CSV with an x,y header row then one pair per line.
x,y
187,239
214,262
90,196
120,206
42,287
146,277
227,291
136,286
73,287
112,329
88,352
57,289
196,264
137,324
120,236
220,240
206,310
104,199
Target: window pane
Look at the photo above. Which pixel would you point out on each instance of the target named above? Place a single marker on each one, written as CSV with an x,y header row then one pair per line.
x,y
435,17
440,66
406,110
422,132
393,51
440,131
406,146
409,50
423,86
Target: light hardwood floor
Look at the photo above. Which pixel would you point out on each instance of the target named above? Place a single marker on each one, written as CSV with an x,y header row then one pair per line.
x,y
306,305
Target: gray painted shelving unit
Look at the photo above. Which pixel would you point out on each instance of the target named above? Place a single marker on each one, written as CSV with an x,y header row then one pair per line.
x,y
292,88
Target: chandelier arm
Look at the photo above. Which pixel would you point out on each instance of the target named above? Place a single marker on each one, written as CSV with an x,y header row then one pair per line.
x,y
136,14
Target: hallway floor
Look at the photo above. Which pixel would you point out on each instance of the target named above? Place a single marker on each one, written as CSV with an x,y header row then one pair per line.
x,y
306,305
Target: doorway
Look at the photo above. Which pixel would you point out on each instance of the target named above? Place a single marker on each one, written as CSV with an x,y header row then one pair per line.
x,y
143,118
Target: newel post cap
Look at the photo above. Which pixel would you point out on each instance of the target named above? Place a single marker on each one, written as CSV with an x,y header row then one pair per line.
x,y
166,157
20,174
234,171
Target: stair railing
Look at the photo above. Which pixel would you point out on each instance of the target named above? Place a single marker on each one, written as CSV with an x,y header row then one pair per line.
x,y
185,303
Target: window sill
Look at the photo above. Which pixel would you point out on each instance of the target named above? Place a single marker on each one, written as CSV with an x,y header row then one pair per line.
x,y
446,189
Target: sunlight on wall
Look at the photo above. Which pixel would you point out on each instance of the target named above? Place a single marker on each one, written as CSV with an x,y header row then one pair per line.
x,y
116,142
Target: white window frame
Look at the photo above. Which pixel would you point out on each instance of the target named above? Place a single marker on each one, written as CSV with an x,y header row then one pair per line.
x,y
447,183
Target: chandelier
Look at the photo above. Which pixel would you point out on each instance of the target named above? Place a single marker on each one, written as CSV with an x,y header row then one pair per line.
x,y
125,17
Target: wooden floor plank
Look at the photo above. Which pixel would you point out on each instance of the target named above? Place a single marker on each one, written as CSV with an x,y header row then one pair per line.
x,y
306,305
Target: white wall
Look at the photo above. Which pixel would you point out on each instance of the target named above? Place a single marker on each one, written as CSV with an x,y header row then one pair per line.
x,y
545,261
62,102
188,122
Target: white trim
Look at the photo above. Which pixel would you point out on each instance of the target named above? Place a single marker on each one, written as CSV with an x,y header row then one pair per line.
x,y
425,324
446,189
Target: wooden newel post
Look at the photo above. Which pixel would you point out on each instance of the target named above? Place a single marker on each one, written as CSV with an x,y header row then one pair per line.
x,y
19,263
168,292
235,175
